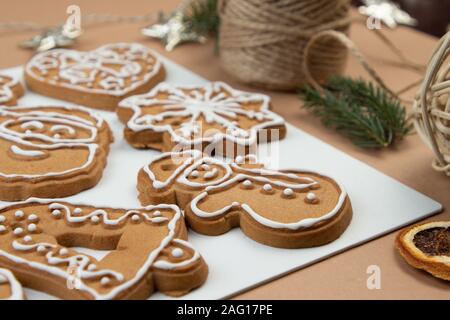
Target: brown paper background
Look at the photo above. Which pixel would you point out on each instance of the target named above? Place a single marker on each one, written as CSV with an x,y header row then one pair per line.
x,y
340,277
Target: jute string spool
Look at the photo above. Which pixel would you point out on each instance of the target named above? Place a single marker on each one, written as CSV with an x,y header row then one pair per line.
x,y
432,106
263,42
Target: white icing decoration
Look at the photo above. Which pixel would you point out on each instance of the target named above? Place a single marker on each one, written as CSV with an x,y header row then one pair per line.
x,y
95,219
247,183
288,192
7,276
211,174
32,217
27,239
135,217
2,218
2,228
304,223
92,267
17,231
194,174
177,253
311,196
267,187
56,213
105,281
26,153
77,210
166,265
76,70
156,213
19,214
204,102
34,124
32,227
63,252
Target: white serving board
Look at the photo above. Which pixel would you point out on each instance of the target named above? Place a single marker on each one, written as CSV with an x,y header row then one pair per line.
x,y
236,263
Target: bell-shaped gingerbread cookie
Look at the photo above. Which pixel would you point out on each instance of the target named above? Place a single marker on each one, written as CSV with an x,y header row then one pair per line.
x,y
288,209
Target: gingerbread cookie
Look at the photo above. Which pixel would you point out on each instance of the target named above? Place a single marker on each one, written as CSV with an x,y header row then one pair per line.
x,y
426,246
50,152
10,288
215,118
99,79
149,251
288,209
10,90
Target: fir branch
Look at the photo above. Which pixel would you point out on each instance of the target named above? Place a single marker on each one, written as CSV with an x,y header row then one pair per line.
x,y
203,17
366,114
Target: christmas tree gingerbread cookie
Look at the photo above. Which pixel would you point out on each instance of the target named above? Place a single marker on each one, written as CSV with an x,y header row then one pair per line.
x,y
10,288
287,209
214,118
50,152
10,90
99,78
147,247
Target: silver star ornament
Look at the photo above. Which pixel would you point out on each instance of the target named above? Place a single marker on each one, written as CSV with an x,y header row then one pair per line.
x,y
387,12
51,38
172,31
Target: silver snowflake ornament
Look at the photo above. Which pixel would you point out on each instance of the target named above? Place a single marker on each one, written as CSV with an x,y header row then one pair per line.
x,y
388,12
51,38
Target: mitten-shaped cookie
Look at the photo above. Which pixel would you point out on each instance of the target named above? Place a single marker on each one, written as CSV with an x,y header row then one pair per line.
x,y
148,250
50,152
214,118
288,209
10,288
10,90
426,246
98,78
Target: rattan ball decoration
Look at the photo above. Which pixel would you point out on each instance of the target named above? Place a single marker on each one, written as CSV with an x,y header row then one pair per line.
x,y
432,106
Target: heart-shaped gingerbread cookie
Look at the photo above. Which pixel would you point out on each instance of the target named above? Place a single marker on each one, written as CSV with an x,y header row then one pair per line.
x,y
99,79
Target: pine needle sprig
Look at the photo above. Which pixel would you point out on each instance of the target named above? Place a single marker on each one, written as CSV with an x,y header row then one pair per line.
x,y
203,17
366,114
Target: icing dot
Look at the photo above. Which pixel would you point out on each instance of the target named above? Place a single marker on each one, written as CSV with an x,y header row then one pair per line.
x,y
56,213
247,183
210,174
27,239
28,132
56,136
77,210
239,159
19,214
288,192
32,227
194,174
92,267
33,217
135,217
311,196
267,187
235,204
2,229
205,166
95,219
17,231
177,253
157,213
41,248
104,281
2,218
63,252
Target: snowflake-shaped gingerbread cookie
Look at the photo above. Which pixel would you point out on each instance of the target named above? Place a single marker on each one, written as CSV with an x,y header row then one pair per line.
x,y
215,118
147,248
289,208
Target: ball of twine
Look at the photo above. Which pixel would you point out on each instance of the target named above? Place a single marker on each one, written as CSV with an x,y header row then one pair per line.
x,y
273,43
432,106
